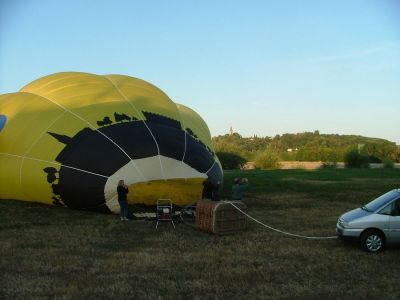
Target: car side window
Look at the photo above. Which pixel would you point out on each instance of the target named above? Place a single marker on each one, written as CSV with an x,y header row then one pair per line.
x,y
387,210
396,208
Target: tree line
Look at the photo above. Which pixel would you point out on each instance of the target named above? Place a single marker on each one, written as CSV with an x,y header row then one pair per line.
x,y
233,150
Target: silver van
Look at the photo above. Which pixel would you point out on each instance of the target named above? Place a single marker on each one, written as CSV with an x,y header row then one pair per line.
x,y
373,225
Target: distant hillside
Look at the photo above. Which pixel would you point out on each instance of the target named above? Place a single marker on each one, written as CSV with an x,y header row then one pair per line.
x,y
307,146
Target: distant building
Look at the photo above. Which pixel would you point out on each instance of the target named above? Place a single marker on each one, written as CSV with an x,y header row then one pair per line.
x,y
231,132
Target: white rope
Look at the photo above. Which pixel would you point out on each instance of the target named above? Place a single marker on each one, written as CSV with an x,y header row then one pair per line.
x,y
281,231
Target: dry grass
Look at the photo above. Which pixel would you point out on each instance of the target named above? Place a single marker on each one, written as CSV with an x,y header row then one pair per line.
x,y
66,254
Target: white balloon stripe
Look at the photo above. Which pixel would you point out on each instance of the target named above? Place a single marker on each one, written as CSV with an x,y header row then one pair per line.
x,y
212,166
54,163
144,122
184,152
184,132
91,125
34,143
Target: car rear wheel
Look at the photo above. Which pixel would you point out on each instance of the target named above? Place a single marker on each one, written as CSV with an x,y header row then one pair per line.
x,y
372,241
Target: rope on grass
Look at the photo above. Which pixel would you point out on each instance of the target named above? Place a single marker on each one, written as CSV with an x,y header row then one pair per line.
x,y
281,231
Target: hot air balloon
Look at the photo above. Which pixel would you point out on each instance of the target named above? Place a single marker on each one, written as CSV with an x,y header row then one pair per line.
x,y
68,138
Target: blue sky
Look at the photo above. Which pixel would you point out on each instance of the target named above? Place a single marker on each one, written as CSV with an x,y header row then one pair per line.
x,y
263,67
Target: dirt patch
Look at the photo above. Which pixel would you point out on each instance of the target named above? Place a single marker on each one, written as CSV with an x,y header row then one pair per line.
x,y
312,181
308,165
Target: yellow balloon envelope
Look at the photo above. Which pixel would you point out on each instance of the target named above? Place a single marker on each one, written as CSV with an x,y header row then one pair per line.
x,y
68,138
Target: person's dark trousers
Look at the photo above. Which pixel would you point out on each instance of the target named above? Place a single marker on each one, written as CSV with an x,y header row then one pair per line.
x,y
124,208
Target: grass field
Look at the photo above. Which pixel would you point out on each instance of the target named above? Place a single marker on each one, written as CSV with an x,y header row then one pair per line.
x,y
53,252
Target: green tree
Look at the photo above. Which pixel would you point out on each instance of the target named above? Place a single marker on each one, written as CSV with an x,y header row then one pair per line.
x,y
356,159
267,159
307,146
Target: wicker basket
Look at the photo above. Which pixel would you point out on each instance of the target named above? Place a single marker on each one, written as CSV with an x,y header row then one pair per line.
x,y
220,217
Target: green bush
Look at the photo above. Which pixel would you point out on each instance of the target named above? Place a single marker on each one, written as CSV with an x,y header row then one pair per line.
x,y
387,163
230,161
356,159
267,160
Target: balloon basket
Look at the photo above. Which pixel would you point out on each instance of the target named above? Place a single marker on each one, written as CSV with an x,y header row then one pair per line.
x,y
220,217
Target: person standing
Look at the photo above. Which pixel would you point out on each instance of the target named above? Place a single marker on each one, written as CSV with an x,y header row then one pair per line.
x,y
215,192
208,188
123,191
